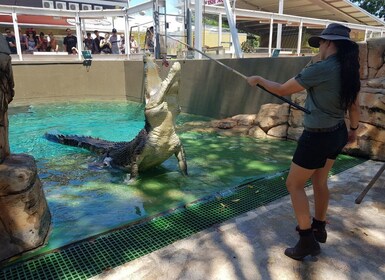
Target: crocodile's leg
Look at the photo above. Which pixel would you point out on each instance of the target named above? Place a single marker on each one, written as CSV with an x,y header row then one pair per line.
x,y
134,169
181,156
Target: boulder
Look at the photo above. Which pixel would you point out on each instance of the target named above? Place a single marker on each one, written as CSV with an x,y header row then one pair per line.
x,y
279,131
257,132
293,133
377,82
363,48
376,49
296,118
24,214
246,119
381,72
271,115
225,123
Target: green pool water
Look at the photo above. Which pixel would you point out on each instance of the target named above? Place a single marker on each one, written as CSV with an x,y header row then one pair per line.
x,y
86,200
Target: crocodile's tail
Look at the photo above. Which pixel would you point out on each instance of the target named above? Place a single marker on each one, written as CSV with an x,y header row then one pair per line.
x,y
95,145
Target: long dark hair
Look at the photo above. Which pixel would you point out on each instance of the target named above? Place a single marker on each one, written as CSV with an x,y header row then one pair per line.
x,y
348,56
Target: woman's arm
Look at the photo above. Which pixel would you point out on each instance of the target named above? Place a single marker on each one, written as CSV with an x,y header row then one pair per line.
x,y
354,117
287,88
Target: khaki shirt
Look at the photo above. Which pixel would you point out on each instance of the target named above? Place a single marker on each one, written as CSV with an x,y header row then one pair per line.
x,y
323,84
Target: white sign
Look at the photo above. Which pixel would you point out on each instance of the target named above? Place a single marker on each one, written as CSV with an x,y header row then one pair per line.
x,y
213,2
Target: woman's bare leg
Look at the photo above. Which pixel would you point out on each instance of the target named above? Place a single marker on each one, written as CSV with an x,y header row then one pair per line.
x,y
321,191
295,184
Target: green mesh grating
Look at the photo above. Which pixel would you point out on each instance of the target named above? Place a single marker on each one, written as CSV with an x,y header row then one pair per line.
x,y
95,255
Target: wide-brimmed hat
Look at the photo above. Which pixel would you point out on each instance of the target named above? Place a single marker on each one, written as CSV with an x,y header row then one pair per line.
x,y
333,32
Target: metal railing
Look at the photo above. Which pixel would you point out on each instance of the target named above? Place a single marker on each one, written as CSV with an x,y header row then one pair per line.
x,y
77,16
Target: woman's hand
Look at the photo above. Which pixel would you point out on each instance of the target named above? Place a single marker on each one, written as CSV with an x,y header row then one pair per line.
x,y
253,80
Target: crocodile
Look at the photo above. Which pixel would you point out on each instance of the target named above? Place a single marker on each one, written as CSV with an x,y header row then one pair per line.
x,y
156,142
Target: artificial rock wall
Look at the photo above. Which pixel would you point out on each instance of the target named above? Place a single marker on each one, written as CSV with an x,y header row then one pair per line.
x,y
24,215
282,121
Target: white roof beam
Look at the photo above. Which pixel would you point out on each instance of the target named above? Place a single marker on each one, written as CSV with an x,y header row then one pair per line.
x,y
290,18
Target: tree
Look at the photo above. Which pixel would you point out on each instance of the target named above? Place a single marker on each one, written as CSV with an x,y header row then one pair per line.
x,y
375,7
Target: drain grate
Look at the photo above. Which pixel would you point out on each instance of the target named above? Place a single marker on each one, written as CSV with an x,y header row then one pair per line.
x,y
95,255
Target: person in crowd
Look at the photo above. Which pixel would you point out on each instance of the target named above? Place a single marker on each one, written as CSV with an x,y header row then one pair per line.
x,y
105,45
149,40
31,41
42,44
122,46
114,42
23,39
332,85
10,38
52,45
74,50
69,42
88,42
134,47
96,46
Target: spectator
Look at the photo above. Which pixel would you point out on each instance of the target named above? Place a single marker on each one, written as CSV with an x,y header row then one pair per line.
x,y
122,47
134,47
70,41
31,41
96,47
105,45
88,42
23,39
74,50
114,42
52,45
42,43
149,40
11,41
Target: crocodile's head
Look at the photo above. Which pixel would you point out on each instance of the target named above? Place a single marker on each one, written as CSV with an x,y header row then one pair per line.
x,y
161,96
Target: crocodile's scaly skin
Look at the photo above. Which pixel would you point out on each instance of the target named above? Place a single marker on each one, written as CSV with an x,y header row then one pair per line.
x,y
157,141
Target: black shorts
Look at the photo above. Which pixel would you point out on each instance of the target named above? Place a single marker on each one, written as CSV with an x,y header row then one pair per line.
x,y
314,148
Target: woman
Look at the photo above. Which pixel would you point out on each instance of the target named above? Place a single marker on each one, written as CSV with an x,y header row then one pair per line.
x,y
332,85
149,40
52,45
31,42
105,45
134,47
42,44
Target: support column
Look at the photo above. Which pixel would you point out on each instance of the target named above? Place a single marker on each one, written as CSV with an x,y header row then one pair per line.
x,y
219,30
79,36
279,25
233,30
198,41
299,42
127,36
17,36
271,35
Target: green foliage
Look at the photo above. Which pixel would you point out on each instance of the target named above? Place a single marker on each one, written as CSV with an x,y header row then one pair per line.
x,y
375,7
214,22
251,44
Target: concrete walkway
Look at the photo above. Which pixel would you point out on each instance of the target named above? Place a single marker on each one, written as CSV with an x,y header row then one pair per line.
x,y
251,246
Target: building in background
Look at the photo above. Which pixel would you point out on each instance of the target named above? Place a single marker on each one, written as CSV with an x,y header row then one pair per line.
x,y
69,4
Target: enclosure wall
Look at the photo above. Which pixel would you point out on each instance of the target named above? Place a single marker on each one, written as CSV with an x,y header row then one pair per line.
x,y
206,87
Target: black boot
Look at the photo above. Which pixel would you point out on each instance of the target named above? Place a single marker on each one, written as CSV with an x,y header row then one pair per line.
x,y
307,245
319,230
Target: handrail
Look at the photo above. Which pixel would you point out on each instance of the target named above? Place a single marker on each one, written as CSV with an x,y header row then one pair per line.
x,y
77,15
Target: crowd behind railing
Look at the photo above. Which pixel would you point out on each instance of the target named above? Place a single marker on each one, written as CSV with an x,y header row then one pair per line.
x,y
32,42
